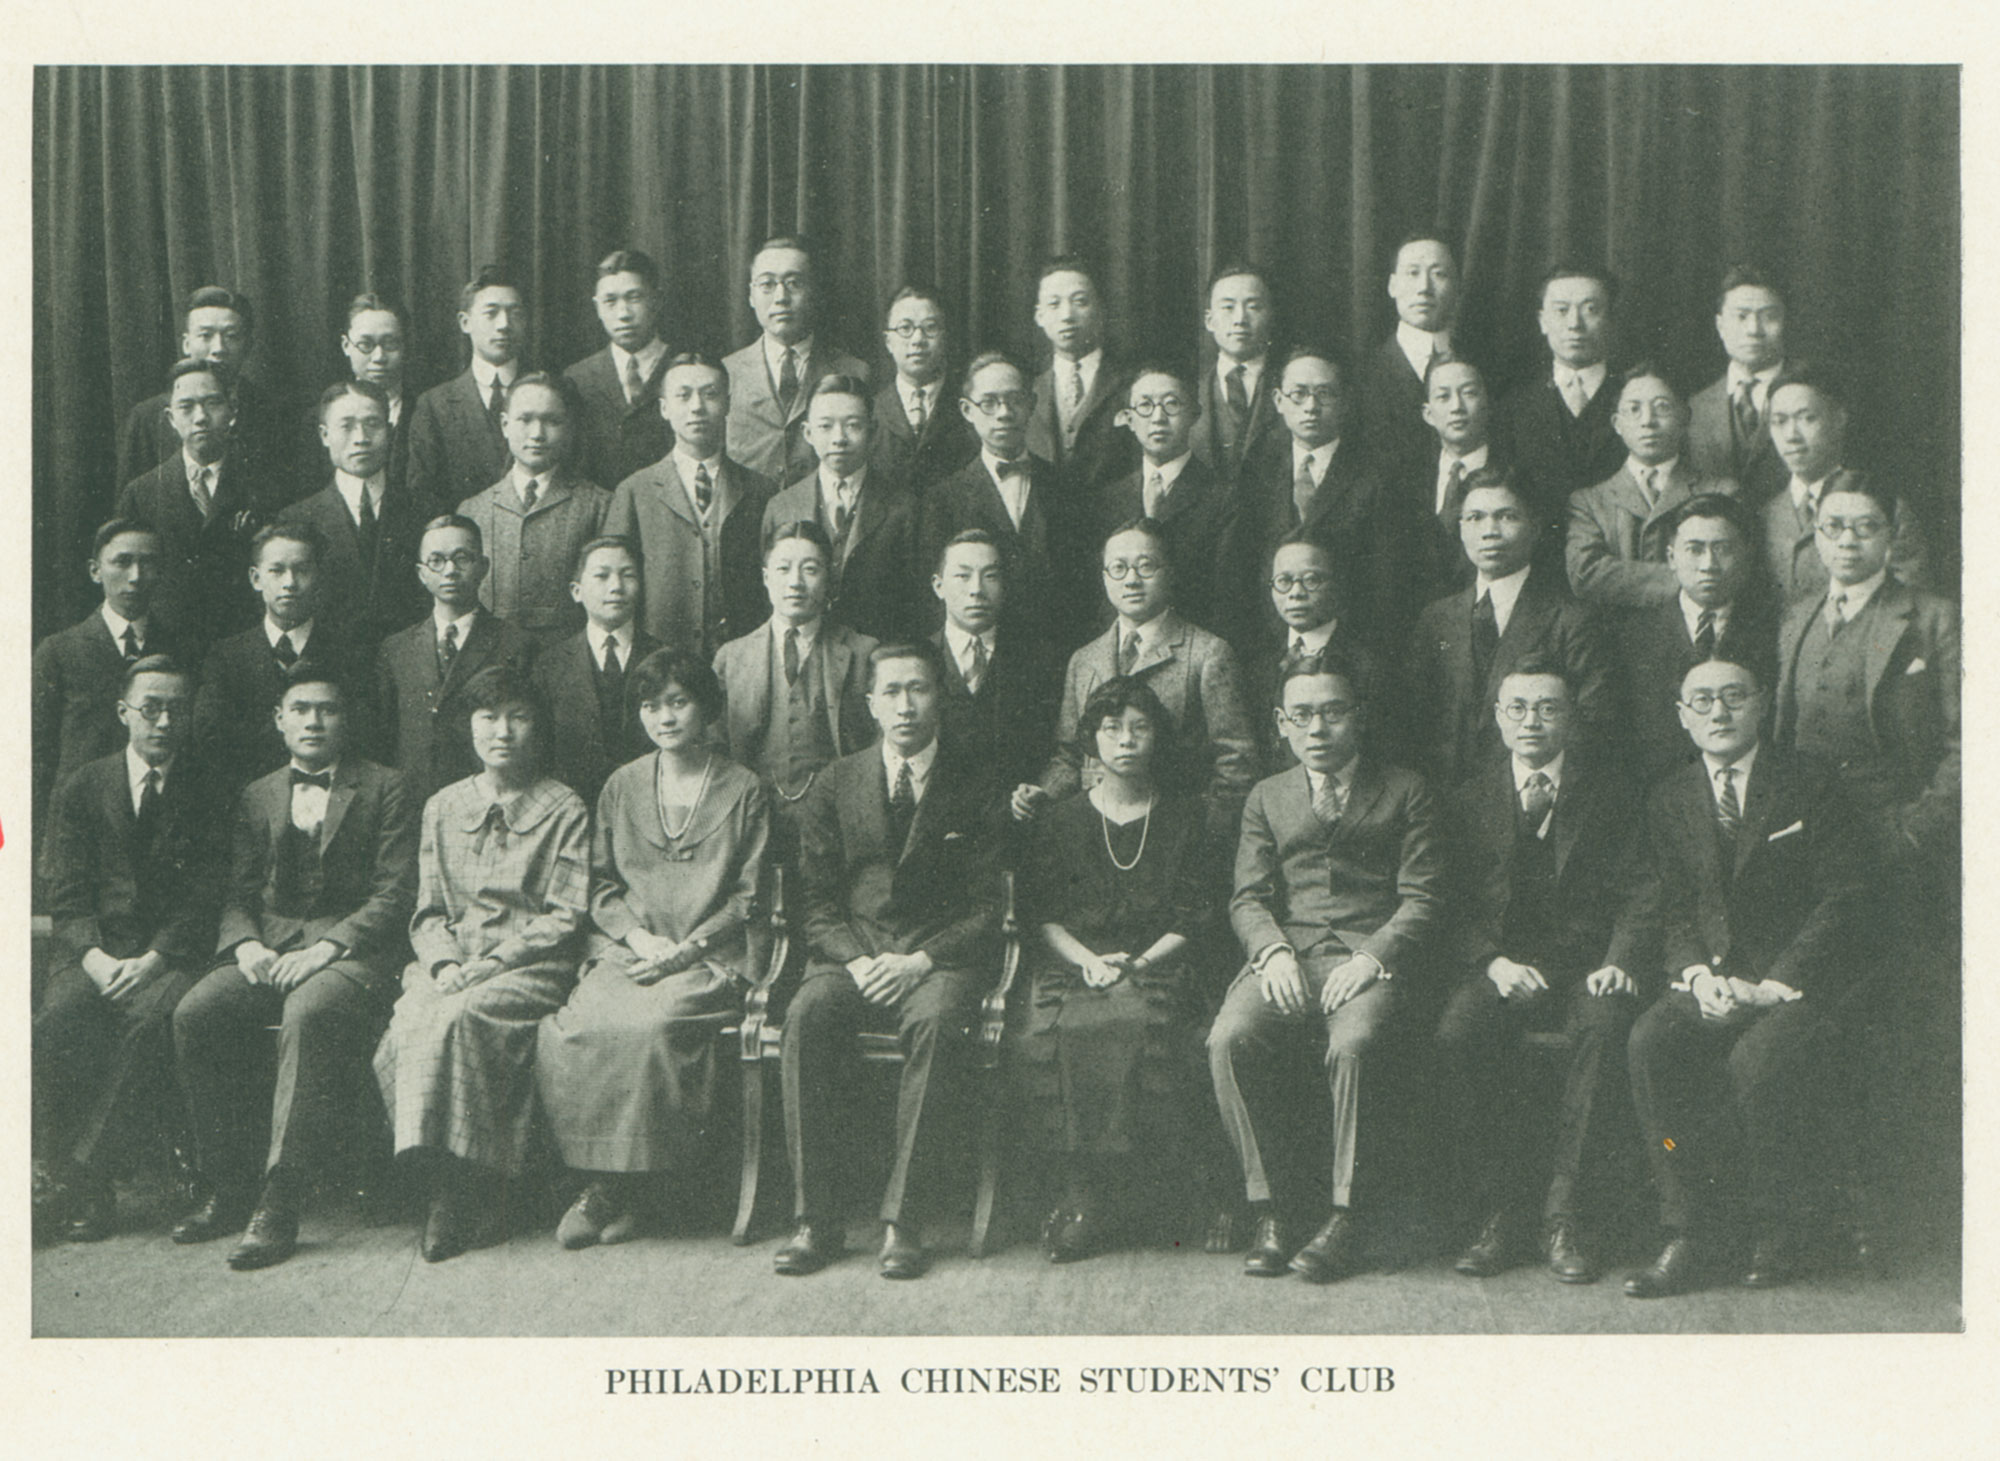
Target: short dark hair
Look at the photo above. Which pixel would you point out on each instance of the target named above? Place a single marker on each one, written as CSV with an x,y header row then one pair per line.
x,y
306,670
1715,505
506,683
1648,370
631,261
1541,664
972,535
1071,263
796,241
671,666
367,300
1422,235
216,296
1573,268
1876,489
981,361
117,528
457,520
914,291
341,388
837,384
290,532
695,360
1234,268
1314,350
806,530
1827,379
1330,661
1440,361
598,545
1152,527
1760,666
1303,537
224,375
1113,698
921,649
1501,479
548,381
1155,366
153,664
1747,276
490,276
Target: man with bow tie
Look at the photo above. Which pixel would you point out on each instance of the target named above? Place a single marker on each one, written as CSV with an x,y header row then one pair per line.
x,y
322,880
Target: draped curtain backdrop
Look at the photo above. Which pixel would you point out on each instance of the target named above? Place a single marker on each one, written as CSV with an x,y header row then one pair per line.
x,y
302,186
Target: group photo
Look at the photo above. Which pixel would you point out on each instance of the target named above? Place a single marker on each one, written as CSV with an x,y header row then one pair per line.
x,y
1141,699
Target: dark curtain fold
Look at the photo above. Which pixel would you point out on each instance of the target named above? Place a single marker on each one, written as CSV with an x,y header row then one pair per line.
x,y
301,186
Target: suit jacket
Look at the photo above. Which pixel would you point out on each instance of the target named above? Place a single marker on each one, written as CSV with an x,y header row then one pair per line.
x,y
1387,727
309,458
1199,515
617,437
652,508
1782,905
1390,420
1714,451
367,864
534,553
1440,556
1655,654
1453,709
1617,552
946,443
205,590
371,597
1225,458
1004,732
262,436
584,751
1558,452
938,892
1793,565
876,583
1595,816
1373,884
766,438
1053,579
117,887
455,447
744,667
240,681
1913,667
1095,451
75,680
425,730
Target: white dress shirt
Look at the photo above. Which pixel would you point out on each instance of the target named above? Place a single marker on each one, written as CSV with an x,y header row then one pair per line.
x,y
645,359
920,766
1504,592
395,409
774,358
484,375
919,400
136,772
808,637
1663,473
1253,373
1590,377
1741,780
1164,475
830,499
117,623
522,477
686,466
1760,384
1844,601
442,619
1806,495
1065,370
1553,770
1314,641
1013,490
1342,779
1418,346
351,487
1317,458
597,636
207,474
1691,613
1471,462
300,634
960,641
309,802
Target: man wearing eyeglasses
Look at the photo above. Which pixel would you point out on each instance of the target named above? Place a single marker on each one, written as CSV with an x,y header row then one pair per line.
x,y
421,673
1338,890
1752,885
1313,628
771,379
1536,845
919,429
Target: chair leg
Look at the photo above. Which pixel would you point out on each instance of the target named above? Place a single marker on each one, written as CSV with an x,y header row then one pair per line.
x,y
752,1076
989,1178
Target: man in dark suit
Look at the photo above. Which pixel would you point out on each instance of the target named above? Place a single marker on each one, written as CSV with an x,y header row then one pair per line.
x,y
370,526
917,430
1312,628
1000,686
1618,528
1536,848
1729,433
900,918
1459,411
206,502
243,674
133,866
1423,283
422,671
1017,496
1466,644
697,515
584,677
1557,430
1754,893
1720,612
77,673
1079,395
456,444
771,379
866,510
1236,414
219,328
322,881
1337,891
376,346
618,388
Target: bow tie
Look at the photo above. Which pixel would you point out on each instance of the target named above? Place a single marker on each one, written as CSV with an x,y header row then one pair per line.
x,y
321,779
1016,468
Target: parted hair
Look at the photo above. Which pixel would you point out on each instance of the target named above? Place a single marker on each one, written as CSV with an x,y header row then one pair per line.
x,y
672,666
303,533
341,388
490,276
216,296
154,664
1112,699
117,528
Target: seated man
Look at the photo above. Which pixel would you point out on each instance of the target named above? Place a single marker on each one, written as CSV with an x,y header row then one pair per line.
x,y
133,866
583,677
900,925
1753,877
1535,847
313,934
1337,889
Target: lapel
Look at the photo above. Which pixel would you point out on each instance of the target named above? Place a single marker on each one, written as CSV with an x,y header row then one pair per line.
x,y
1893,609
1159,648
480,642
1493,816
575,676
868,515
338,799
1695,812
177,505
836,657
1767,790
755,713
673,493
1533,609
1363,792
871,808
895,420
1093,399
649,393
981,485
557,492
954,678
1293,825
1573,807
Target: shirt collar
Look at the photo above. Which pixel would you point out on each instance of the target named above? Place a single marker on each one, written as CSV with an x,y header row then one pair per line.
x,y
1742,764
1505,592
1801,489
645,358
853,479
1662,471
117,623
774,356
1322,456
136,769
931,391
522,812
484,375
993,467
1316,639
1169,472
351,487
330,771
960,640
1858,594
1554,771
1253,372
1760,379
299,633
192,467
595,634
1691,613
920,764
1592,377
522,476
1472,461
808,634
1343,778
1419,345
685,465
441,619
1088,364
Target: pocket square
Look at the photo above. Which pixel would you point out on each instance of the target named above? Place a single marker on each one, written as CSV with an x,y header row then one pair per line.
x,y
1786,832
1917,667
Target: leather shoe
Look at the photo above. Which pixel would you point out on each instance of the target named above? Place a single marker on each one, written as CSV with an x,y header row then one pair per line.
x,y
1334,1252
271,1238
222,1214
93,1211
811,1247
902,1255
1269,1254
1054,1228
1083,1233
456,1225
593,1211
1567,1260
1770,1263
1675,1271
1492,1251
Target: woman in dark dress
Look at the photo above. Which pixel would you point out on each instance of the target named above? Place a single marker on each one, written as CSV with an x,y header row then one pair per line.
x,y
1107,1049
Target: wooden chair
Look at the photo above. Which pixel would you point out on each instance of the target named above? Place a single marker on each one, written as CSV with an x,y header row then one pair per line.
x,y
758,1040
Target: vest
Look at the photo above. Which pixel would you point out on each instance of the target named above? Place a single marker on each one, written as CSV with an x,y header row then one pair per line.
x,y
798,741
1528,929
1830,685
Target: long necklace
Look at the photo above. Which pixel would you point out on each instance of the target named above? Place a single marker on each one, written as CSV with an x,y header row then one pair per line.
x,y
1145,829
667,826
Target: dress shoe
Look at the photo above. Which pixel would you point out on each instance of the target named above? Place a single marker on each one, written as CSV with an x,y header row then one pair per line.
x,y
271,1238
1084,1233
594,1210
1567,1260
1055,1227
1334,1252
1270,1254
1675,1271
1492,1251
457,1224
902,1255
222,1214
812,1246
1771,1263
93,1211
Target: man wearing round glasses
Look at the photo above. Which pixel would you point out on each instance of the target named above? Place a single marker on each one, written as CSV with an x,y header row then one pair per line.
x,y
919,431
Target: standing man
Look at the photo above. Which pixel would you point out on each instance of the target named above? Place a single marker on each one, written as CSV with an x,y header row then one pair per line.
x,y
375,346
900,917
1423,283
1312,627
1558,430
1458,409
696,515
620,426
583,677
457,445
771,379
218,327
1235,414
1729,433
1077,397
917,429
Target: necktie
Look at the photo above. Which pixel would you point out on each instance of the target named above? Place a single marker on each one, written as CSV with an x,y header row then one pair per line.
x,y
635,384
1838,617
1485,634
1073,388
612,668
287,654
1326,800
321,779
447,649
918,415
1298,646
1018,467
1156,490
204,492
788,380
1454,495
791,656
704,489
1728,810
1303,488
1239,399
1573,395
903,805
528,495
1704,635
364,526
131,643
149,795
1648,476
976,671
843,515
1538,799
496,404
1128,652
1748,420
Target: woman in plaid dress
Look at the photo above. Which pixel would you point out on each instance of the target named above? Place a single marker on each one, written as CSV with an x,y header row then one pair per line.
x,y
503,882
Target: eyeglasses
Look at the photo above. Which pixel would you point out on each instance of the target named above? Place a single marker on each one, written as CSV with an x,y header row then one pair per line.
x,y
369,344
1735,697
463,560
768,284
154,711
1867,529
1118,569
910,329
1148,408
1311,582
1324,395
991,405
1517,710
1333,712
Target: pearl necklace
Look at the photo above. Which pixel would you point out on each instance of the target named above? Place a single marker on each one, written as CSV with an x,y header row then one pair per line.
x,y
1145,830
707,770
